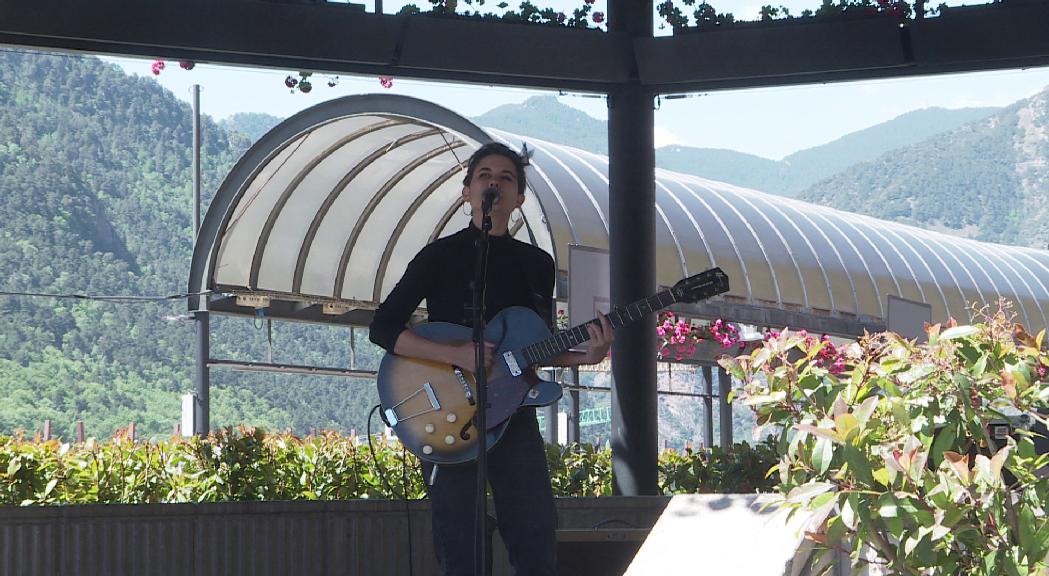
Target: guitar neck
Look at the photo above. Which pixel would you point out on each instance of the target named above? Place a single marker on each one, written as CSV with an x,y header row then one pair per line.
x,y
620,316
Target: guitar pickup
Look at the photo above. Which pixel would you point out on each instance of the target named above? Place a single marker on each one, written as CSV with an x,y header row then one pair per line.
x,y
511,363
466,385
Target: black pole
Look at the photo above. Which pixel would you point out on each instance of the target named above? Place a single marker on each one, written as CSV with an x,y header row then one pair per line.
x,y
725,408
632,240
572,435
481,382
708,406
202,378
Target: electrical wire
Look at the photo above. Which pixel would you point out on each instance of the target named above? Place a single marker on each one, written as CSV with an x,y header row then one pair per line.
x,y
113,299
389,489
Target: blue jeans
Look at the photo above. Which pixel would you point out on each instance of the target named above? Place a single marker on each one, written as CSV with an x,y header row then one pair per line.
x,y
524,504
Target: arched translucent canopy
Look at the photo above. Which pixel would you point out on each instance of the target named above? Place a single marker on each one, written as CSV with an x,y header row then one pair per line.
x,y
322,215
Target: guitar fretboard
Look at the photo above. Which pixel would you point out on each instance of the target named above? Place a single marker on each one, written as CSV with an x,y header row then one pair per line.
x,y
572,337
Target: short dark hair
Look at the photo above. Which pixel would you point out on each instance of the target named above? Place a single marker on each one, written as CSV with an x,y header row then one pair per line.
x,y
520,160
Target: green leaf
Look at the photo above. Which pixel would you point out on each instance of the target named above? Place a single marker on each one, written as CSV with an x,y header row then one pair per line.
x,y
822,455
822,499
888,506
848,511
1041,542
858,464
1028,536
819,432
866,409
845,424
761,399
806,492
945,438
959,332
1009,563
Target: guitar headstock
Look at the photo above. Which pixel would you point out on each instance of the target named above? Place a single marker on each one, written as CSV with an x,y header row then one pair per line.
x,y
701,286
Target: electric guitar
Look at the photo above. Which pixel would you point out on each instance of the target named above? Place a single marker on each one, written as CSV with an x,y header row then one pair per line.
x,y
431,406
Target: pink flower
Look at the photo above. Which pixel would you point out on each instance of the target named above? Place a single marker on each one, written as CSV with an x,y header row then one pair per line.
x,y
598,17
157,67
386,81
186,65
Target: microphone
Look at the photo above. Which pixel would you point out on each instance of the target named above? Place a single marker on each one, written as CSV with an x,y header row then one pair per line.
x,y
489,199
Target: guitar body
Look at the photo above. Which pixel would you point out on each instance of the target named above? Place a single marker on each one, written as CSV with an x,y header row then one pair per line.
x,y
431,406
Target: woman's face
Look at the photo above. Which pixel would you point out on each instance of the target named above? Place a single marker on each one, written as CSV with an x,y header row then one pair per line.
x,y
498,171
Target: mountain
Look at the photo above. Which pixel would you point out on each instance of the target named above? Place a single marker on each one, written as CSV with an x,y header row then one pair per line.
x,y
986,179
251,124
95,198
546,118
729,166
808,166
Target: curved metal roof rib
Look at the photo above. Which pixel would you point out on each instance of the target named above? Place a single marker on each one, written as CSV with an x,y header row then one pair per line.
x,y
323,214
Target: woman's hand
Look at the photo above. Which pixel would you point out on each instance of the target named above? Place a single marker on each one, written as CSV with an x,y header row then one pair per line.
x,y
463,355
601,337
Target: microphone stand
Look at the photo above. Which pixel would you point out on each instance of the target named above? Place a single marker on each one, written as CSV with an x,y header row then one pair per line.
x,y
481,382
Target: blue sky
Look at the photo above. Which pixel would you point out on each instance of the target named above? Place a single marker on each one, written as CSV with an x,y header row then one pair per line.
x,y
769,122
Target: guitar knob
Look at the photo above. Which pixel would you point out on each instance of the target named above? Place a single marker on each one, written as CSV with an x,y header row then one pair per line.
x,y
449,439
427,449
429,428
451,417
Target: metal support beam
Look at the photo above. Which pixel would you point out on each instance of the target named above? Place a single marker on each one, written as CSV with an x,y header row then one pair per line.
x,y
550,414
725,417
572,434
708,406
632,266
202,379
344,39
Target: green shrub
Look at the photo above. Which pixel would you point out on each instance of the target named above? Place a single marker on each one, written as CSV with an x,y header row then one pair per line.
x,y
244,463
895,449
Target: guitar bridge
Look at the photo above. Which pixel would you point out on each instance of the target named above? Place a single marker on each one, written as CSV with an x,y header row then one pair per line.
x,y
392,418
511,363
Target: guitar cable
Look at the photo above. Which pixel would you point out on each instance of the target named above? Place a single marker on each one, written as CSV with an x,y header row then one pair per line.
x,y
389,489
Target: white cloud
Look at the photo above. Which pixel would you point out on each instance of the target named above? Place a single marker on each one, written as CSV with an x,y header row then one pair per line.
x,y
665,137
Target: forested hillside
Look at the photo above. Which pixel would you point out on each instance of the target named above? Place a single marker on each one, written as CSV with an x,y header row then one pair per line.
x,y
95,198
986,180
545,118
251,124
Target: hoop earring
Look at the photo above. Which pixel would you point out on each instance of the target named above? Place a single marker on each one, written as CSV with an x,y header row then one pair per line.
x,y
468,210
519,216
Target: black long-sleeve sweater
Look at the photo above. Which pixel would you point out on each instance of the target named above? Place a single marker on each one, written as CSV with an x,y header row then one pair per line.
x,y
519,274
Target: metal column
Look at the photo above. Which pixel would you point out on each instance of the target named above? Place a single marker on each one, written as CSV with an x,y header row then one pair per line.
x,y
550,414
725,416
632,219
708,407
572,434
202,378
